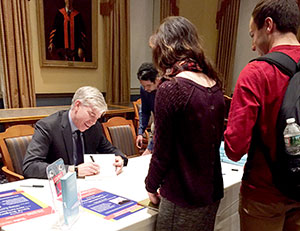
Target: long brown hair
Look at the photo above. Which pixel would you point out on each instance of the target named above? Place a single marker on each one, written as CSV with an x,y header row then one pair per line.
x,y
177,39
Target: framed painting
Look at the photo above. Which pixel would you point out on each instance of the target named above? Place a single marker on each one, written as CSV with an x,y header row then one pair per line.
x,y
67,32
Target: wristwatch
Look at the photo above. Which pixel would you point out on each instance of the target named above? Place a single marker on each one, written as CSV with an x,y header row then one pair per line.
x,y
73,168
76,170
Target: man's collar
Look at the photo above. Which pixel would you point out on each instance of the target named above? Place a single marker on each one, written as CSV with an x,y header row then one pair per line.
x,y
73,126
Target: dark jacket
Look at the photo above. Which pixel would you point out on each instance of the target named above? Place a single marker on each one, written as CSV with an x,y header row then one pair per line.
x,y
52,140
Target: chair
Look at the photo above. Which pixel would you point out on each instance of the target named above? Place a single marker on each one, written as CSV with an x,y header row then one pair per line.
x,y
227,100
121,133
13,144
137,105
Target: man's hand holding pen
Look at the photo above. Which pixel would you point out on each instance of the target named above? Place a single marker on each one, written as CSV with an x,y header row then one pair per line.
x,y
118,164
88,169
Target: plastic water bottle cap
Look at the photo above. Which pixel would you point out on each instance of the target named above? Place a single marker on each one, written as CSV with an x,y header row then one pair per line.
x,y
290,120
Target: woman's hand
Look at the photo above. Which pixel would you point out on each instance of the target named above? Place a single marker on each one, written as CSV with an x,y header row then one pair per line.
x,y
154,198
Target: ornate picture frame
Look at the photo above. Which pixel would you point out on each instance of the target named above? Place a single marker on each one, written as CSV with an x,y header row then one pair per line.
x,y
68,38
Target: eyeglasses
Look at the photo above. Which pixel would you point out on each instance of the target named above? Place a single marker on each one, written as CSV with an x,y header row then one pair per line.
x,y
94,114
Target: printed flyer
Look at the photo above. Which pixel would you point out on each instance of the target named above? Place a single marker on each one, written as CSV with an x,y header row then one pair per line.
x,y
108,205
16,206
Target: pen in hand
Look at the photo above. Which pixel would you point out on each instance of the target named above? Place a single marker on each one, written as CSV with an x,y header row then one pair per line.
x,y
92,158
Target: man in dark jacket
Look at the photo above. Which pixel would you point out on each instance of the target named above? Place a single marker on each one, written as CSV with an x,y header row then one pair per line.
x,y
68,135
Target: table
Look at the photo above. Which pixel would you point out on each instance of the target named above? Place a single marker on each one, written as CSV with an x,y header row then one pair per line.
x,y
227,218
129,184
30,115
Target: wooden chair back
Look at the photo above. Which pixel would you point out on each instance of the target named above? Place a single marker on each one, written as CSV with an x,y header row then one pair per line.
x,y
121,133
13,143
137,105
227,107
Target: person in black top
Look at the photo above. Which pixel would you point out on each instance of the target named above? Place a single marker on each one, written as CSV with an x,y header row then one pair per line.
x,y
148,77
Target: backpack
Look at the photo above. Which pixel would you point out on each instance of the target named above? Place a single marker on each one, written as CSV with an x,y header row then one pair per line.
x,y
286,168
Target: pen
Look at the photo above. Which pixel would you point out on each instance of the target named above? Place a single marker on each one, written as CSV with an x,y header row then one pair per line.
x,y
34,186
123,202
92,158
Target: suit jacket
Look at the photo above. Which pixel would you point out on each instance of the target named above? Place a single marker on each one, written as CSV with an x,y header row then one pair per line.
x,y
52,140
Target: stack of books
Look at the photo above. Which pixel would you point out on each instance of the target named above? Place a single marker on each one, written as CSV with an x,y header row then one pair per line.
x,y
225,159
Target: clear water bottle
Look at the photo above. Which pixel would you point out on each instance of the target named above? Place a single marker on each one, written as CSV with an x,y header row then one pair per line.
x,y
291,135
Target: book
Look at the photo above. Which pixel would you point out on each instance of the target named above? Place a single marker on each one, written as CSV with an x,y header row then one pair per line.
x,y
148,204
70,197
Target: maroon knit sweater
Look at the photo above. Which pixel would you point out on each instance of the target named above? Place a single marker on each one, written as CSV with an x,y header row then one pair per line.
x,y
185,164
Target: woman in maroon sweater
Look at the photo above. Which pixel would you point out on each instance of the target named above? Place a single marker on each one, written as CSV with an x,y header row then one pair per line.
x,y
185,169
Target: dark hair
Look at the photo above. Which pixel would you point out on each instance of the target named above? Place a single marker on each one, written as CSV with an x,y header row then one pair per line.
x,y
176,39
285,14
146,72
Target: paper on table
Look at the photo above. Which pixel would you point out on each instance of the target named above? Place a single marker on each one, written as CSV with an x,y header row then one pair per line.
x,y
105,161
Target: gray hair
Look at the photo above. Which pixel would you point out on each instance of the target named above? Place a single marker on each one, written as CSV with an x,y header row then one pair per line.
x,y
91,97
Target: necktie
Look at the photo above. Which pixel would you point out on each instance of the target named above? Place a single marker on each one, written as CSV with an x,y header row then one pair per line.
x,y
79,149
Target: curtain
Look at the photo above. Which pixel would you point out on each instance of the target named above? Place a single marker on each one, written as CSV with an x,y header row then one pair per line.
x,y
168,8
117,51
227,23
17,76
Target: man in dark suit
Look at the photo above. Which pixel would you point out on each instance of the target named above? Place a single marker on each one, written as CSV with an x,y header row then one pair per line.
x,y
70,133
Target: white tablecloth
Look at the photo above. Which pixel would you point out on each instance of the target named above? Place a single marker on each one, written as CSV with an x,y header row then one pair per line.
x,y
129,184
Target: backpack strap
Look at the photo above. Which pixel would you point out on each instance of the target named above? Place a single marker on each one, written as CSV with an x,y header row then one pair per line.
x,y
282,61
287,66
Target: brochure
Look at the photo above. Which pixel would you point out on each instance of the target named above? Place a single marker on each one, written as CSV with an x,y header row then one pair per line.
x,y
55,171
16,206
108,205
